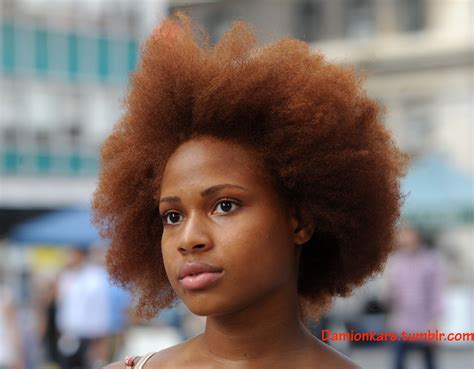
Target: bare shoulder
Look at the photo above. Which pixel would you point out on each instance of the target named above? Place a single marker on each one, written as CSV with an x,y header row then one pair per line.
x,y
331,358
171,357
183,355
177,356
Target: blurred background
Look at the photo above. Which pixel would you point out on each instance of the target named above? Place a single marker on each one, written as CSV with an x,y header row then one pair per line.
x,y
64,68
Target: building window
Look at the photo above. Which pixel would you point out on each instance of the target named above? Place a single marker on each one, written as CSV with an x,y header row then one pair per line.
x,y
43,157
132,55
57,54
103,58
412,15
7,47
41,51
360,17
417,136
118,63
9,158
24,50
9,136
309,17
88,57
72,55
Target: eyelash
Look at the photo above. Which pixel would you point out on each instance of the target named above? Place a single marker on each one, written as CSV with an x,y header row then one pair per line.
x,y
232,201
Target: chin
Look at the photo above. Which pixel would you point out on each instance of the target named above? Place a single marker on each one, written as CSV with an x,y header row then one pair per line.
x,y
202,306
206,305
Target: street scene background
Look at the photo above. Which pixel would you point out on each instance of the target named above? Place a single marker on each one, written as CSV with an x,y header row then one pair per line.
x,y
64,69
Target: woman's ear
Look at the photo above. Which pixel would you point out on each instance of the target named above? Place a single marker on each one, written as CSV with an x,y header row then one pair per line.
x,y
303,229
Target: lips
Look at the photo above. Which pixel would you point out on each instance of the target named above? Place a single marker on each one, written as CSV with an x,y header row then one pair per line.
x,y
197,274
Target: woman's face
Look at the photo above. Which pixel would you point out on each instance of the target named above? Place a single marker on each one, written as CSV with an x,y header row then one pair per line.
x,y
217,208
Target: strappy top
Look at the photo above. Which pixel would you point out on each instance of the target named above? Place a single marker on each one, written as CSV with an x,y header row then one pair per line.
x,y
130,361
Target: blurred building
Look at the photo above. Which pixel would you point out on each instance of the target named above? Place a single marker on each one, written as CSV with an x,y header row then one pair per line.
x,y
418,56
64,68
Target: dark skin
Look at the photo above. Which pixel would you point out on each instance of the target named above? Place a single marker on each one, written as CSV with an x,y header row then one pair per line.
x,y
248,231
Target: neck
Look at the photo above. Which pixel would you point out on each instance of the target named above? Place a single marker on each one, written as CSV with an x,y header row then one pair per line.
x,y
268,328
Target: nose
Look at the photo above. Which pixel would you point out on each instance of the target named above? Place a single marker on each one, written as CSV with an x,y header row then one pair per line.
x,y
195,236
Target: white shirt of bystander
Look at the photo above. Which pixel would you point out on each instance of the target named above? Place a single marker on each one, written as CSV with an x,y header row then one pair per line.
x,y
83,304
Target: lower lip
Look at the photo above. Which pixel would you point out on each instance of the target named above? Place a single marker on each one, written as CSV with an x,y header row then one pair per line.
x,y
202,280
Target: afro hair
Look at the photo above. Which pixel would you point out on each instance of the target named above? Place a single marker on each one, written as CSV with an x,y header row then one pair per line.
x,y
320,136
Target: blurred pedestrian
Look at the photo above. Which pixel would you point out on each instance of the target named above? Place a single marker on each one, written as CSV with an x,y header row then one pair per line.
x,y
11,348
48,325
82,309
120,319
106,348
416,281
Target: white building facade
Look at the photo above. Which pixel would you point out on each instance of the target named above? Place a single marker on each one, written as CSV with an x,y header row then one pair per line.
x,y
64,68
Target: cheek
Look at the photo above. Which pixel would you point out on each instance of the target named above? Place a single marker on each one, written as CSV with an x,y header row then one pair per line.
x,y
260,247
168,260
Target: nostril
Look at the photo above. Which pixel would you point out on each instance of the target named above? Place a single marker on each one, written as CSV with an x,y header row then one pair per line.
x,y
195,247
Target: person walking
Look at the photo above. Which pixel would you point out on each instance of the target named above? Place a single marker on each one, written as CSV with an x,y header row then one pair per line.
x,y
416,285
11,348
82,309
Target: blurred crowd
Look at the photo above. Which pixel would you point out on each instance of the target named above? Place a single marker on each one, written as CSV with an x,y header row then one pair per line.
x,y
78,319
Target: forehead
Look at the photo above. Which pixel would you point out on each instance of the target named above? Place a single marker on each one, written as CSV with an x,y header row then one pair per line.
x,y
207,161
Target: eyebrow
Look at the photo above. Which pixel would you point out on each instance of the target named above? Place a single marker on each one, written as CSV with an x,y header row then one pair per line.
x,y
206,193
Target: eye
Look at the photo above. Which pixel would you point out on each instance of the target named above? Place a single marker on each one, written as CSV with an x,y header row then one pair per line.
x,y
171,217
226,206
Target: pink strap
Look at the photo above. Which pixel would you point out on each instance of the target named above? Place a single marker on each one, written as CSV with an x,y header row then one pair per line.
x,y
130,361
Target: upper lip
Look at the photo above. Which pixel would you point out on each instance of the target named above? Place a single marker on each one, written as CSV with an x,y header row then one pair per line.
x,y
196,267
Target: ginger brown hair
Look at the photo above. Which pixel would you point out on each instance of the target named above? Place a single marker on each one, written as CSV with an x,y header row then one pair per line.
x,y
310,124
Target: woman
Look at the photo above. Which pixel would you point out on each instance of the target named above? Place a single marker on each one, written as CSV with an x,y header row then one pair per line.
x,y
253,184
